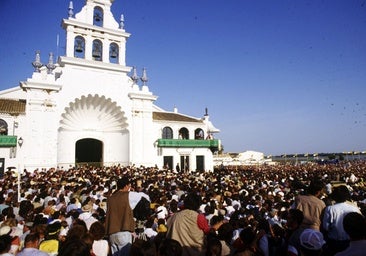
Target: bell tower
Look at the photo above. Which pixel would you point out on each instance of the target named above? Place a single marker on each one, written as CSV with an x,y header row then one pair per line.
x,y
94,35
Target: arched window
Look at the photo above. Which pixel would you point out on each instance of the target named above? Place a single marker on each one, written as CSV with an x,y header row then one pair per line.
x,y
98,17
3,127
183,133
167,133
199,134
97,50
113,53
79,47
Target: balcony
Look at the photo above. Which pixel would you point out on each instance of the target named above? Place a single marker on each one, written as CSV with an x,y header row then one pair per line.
x,y
8,141
175,143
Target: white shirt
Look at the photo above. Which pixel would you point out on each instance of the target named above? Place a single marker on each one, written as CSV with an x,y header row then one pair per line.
x,y
134,197
101,247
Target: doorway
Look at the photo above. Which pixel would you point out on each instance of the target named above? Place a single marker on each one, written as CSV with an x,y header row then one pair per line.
x,y
184,163
200,163
89,152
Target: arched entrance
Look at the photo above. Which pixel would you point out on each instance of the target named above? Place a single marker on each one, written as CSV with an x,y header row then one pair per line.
x,y
89,151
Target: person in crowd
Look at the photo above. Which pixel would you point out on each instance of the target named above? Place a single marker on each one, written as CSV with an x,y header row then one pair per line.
x,y
100,245
183,227
354,224
311,242
31,246
15,233
170,247
3,205
294,219
51,242
87,214
336,237
143,248
311,205
264,228
225,235
214,246
120,224
149,230
5,244
75,247
248,243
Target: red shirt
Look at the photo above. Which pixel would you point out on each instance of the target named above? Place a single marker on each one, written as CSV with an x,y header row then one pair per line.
x,y
203,223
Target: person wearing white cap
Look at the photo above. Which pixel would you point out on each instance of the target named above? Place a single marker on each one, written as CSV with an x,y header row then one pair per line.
x,y
312,242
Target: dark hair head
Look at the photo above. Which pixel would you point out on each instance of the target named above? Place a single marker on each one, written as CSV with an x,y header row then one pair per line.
x,y
97,229
170,247
315,186
225,232
143,248
5,243
247,236
296,215
214,247
76,232
192,201
341,194
31,237
263,224
123,182
354,224
75,247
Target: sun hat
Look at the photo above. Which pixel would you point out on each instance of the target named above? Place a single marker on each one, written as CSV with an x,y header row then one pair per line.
x,y
312,239
5,230
87,208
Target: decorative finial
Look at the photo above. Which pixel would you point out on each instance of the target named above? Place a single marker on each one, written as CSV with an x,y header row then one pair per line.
x,y
50,66
122,22
144,78
206,111
134,76
71,9
37,64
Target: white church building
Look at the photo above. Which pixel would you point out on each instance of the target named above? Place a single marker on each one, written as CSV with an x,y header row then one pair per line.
x,y
89,107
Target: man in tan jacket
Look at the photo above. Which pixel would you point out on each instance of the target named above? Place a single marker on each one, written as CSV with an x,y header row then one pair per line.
x,y
120,224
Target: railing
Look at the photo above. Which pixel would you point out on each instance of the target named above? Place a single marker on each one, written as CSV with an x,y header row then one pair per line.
x,y
8,141
188,143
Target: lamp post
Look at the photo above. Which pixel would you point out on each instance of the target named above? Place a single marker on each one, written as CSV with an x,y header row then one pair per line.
x,y
20,144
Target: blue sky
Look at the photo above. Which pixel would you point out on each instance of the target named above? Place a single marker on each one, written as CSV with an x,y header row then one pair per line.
x,y
276,76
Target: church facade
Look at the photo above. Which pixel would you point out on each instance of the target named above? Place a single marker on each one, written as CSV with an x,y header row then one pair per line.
x,y
89,107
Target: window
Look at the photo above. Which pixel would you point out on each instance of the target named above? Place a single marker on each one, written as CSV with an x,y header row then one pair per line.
x,y
168,162
79,47
98,17
183,134
97,50
167,133
3,127
199,134
113,53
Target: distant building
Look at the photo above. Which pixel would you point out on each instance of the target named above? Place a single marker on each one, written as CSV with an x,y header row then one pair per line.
x,y
91,108
248,157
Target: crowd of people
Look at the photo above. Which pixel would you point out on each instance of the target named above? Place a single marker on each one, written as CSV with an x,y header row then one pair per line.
x,y
268,210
